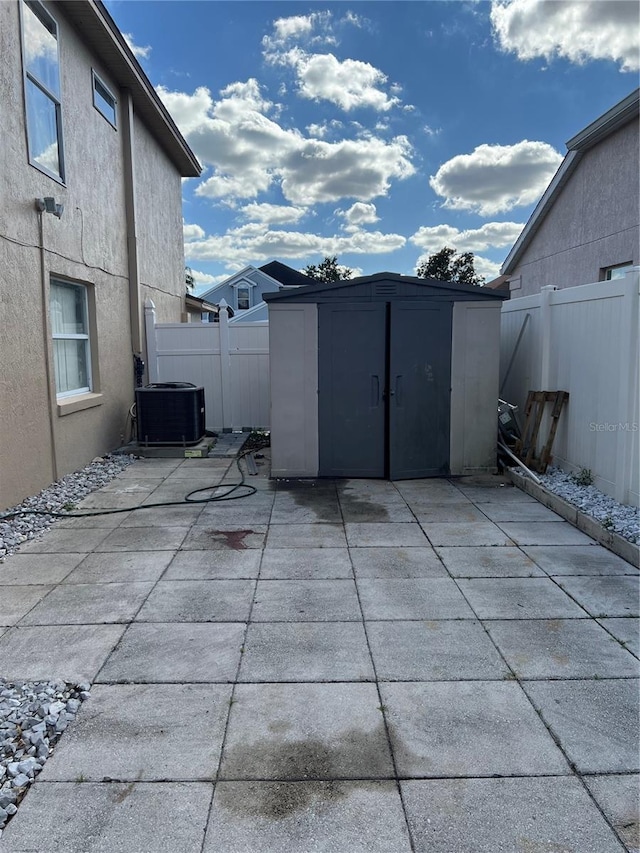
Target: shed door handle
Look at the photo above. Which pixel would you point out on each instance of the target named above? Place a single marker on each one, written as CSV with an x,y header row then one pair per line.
x,y
375,391
397,393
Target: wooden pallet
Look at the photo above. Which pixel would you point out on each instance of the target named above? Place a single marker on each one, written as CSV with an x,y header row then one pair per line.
x,y
534,409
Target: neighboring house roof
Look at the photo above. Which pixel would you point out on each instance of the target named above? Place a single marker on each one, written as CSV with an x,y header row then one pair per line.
x,y
499,283
615,118
199,304
286,275
100,33
255,314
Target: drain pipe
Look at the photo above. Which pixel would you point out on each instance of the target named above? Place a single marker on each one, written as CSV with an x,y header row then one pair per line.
x,y
135,312
45,345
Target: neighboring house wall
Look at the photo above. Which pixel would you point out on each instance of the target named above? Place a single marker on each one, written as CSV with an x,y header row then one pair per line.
x,y
44,436
254,279
593,223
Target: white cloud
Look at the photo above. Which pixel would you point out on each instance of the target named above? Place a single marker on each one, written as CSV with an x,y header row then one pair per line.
x,y
249,151
358,214
250,244
320,171
272,214
577,30
138,51
349,84
192,232
299,27
490,235
293,27
486,268
202,278
496,178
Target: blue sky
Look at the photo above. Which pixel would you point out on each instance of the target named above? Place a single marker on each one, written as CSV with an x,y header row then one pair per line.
x,y
375,131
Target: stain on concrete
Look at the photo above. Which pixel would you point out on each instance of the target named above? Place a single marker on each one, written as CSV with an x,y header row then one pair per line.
x,y
318,496
124,792
233,539
358,508
354,753
279,800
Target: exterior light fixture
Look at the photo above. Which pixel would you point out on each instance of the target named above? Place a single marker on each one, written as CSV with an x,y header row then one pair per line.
x,y
48,205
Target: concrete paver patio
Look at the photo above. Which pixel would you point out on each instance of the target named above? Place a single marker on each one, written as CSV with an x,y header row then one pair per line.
x,y
438,666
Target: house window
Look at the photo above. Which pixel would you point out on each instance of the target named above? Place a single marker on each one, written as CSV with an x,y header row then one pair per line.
x,y
103,100
42,89
617,271
68,305
243,297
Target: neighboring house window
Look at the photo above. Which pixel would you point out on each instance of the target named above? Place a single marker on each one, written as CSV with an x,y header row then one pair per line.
x,y
68,305
618,271
244,297
103,100
42,89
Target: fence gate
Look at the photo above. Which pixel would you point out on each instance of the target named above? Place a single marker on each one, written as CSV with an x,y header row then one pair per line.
x,y
229,360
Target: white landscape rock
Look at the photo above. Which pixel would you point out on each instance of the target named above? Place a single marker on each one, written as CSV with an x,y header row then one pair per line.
x,y
620,518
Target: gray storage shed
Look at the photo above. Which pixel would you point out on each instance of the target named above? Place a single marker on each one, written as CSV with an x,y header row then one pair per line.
x,y
384,376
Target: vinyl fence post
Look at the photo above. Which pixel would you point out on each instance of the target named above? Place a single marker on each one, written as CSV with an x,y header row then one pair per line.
x,y
225,366
545,337
627,424
150,334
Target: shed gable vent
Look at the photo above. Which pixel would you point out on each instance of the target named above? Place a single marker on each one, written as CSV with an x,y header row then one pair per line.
x,y
385,289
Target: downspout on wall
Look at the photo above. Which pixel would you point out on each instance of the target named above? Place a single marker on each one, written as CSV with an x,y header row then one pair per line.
x,y
135,311
45,344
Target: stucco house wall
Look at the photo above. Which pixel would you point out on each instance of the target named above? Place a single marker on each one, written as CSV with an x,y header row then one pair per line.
x,y
590,218
159,227
43,437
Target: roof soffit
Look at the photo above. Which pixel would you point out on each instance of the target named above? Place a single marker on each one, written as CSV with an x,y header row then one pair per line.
x,y
100,33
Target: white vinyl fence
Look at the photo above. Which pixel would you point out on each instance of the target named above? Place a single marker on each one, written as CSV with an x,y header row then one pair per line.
x,y
230,360
583,340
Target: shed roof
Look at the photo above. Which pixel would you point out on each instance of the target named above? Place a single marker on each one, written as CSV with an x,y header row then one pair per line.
x,y
384,286
99,32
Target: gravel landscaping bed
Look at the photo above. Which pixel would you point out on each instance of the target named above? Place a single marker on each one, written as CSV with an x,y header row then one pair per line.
x,y
61,496
619,518
33,715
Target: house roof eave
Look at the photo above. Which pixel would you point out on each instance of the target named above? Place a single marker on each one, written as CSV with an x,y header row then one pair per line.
x,y
618,116
101,34
558,181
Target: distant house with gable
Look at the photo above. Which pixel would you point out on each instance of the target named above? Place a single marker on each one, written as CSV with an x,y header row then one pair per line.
x,y
243,291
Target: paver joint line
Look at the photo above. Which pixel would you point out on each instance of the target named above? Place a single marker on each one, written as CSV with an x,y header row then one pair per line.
x,y
316,675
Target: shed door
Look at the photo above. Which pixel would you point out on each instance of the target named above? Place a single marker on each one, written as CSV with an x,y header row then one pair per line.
x,y
351,383
419,389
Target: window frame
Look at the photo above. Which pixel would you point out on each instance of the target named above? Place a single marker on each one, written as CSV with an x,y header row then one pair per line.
x,y
50,23
86,335
626,267
96,80
243,286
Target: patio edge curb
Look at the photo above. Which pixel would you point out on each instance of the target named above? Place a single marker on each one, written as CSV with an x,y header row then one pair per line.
x,y
613,541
